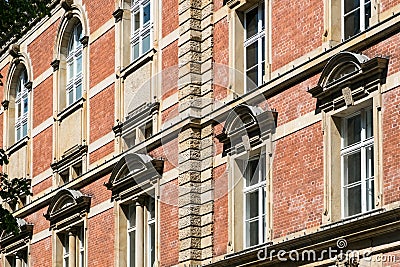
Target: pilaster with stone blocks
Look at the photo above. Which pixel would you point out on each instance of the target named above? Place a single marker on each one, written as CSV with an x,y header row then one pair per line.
x,y
196,195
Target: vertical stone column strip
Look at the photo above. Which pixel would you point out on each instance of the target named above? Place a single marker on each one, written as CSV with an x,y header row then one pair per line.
x,y
139,249
196,196
72,247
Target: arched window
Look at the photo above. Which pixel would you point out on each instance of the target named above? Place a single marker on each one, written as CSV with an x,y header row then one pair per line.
x,y
74,65
21,106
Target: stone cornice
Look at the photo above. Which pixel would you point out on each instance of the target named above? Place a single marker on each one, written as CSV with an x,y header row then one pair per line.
x,y
362,227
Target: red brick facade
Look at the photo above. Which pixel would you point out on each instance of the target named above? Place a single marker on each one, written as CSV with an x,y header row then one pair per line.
x,y
299,185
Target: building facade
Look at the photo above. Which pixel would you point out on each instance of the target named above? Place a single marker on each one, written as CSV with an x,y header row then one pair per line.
x,y
205,133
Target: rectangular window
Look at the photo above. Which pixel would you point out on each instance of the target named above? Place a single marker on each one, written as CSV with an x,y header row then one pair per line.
x,y
141,24
355,17
17,259
357,161
254,191
148,228
131,234
254,46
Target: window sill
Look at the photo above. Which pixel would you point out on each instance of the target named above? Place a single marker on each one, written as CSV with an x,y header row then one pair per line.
x,y
18,145
137,63
70,109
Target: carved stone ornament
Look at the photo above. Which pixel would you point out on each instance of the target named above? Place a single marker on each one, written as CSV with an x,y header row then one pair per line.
x,y
14,50
348,77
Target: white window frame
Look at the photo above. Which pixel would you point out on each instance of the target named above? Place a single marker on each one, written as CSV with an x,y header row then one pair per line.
x,y
66,252
74,59
21,116
150,222
81,239
260,186
131,229
258,37
143,30
362,9
362,146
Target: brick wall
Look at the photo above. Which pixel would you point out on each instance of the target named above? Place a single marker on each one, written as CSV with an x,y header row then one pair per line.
x,y
167,152
97,191
43,185
98,12
41,253
169,70
38,220
297,28
293,102
42,151
220,210
391,146
43,101
221,58
42,48
388,48
102,113
298,179
100,236
387,4
102,152
102,58
169,16
169,238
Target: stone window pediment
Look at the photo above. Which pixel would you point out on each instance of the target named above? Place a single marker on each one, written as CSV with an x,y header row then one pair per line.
x,y
347,77
11,242
133,173
67,205
246,126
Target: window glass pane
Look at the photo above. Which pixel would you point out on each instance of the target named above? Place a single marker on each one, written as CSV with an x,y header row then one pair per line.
x,y
25,102
146,13
251,23
19,110
132,215
370,194
350,5
70,97
252,205
353,168
146,43
367,14
78,92
79,64
263,49
352,24
353,199
353,130
78,33
18,133
151,208
131,251
369,123
252,79
152,245
137,21
251,55
70,71
136,51
262,16
65,262
251,173
252,233
24,129
370,162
